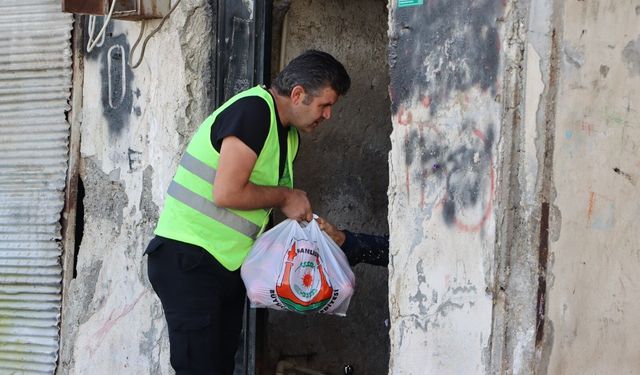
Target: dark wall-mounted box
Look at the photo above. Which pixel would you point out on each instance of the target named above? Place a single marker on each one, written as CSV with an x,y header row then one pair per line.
x,y
124,9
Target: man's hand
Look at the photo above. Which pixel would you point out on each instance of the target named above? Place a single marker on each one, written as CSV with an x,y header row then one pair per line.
x,y
336,235
297,206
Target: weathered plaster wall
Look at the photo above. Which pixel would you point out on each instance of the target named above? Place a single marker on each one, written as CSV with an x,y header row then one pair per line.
x,y
593,306
445,67
564,175
343,167
522,187
134,126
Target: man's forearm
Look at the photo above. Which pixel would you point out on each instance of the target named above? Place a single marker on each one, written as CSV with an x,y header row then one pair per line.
x,y
251,197
233,189
292,202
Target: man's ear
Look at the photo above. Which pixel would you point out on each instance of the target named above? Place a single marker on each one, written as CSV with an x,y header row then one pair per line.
x,y
297,94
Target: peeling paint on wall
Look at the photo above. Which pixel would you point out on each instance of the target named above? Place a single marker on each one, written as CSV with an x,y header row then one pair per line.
x,y
444,67
441,48
133,130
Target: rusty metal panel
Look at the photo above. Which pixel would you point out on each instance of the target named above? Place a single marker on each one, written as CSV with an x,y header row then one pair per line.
x,y
35,81
97,7
124,9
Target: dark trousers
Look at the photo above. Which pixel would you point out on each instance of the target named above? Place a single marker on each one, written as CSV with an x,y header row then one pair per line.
x,y
203,303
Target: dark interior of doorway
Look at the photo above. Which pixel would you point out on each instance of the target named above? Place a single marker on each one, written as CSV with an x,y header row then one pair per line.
x,y
343,167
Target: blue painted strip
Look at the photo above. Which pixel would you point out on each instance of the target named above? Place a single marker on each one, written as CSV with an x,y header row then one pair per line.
x,y
409,3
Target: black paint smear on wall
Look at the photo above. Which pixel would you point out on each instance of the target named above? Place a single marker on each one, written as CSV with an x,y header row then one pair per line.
x,y
116,75
468,167
465,166
442,47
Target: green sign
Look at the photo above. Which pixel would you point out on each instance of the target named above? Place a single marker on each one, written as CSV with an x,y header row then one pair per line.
x,y
409,3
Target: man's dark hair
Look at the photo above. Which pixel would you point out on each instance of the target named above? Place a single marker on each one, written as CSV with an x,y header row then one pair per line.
x,y
313,70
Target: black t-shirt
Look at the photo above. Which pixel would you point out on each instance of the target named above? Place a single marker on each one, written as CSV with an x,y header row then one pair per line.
x,y
249,120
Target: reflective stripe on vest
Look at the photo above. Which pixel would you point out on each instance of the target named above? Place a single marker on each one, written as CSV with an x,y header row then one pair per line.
x,y
205,206
198,168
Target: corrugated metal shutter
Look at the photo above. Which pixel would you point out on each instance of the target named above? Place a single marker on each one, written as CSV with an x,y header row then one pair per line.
x,y
35,81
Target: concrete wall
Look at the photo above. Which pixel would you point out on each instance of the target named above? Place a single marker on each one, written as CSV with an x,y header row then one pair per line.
x,y
343,167
513,187
593,306
134,126
445,68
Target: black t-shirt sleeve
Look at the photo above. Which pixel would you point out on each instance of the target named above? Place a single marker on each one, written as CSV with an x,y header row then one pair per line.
x,y
248,119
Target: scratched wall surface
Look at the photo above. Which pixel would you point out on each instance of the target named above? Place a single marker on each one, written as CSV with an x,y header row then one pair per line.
x,y
593,268
135,124
445,63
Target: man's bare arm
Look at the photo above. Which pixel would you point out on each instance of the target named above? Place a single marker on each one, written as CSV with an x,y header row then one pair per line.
x,y
232,188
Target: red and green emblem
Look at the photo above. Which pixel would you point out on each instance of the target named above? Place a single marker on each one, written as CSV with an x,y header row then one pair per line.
x,y
302,282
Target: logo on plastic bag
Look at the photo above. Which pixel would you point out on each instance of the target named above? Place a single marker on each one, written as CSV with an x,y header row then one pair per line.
x,y
303,284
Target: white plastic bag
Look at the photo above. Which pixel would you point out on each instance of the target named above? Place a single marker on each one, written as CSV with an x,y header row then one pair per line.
x,y
299,269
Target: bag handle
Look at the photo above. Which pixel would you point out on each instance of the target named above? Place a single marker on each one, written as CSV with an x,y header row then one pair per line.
x,y
304,223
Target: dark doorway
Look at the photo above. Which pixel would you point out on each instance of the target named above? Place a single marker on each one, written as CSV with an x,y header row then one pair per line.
x,y
343,167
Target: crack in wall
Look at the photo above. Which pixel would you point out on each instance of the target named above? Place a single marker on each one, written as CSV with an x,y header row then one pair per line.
x,y
547,183
497,354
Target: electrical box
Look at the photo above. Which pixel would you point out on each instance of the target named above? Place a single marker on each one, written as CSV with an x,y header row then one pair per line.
x,y
124,9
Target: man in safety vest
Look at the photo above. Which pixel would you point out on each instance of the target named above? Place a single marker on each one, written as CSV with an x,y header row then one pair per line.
x,y
236,168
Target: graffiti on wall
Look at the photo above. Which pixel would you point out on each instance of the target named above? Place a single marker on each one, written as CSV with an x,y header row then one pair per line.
x,y
116,93
454,167
444,61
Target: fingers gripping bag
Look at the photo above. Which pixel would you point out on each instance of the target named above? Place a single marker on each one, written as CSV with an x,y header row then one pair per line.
x,y
299,269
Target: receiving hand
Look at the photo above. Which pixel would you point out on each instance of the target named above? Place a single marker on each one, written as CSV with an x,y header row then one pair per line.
x,y
336,234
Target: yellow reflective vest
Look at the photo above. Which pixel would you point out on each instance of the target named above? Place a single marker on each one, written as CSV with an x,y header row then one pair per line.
x,y
190,214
